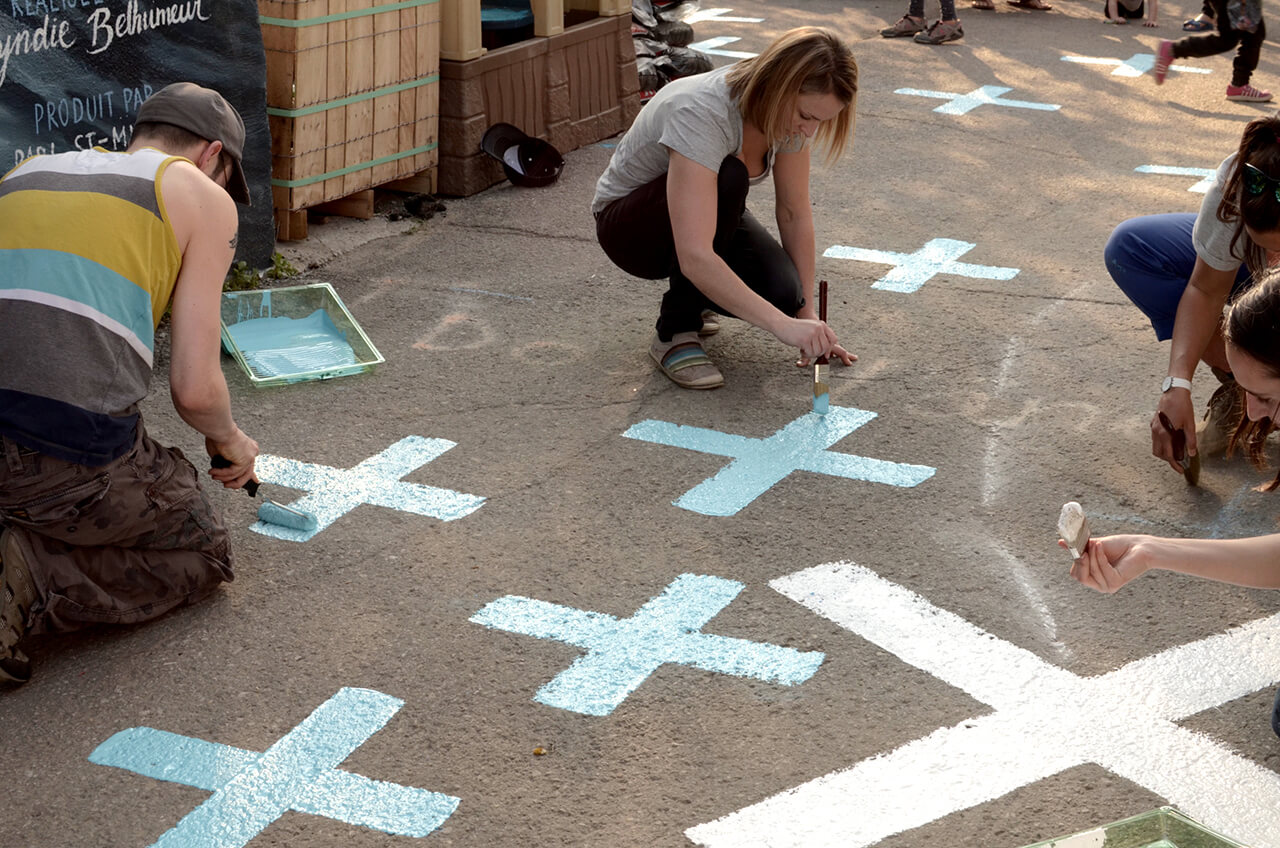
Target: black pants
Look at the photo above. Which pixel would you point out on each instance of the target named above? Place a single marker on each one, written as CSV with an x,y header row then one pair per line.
x,y
1248,44
635,232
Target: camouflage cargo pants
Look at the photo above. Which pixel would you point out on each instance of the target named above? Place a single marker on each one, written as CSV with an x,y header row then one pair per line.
x,y
118,544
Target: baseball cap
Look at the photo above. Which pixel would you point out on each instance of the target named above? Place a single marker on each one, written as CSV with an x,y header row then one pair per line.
x,y
527,161
206,113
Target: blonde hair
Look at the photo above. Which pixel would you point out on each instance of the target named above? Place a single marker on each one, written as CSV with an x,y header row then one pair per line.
x,y
805,60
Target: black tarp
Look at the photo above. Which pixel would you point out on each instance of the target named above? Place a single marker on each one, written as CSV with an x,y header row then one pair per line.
x,y
73,72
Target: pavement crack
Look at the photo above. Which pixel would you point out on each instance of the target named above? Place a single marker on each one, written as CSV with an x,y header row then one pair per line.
x,y
495,229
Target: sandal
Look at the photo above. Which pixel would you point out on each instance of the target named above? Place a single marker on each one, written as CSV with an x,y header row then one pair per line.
x,y
1037,5
685,362
985,5
1197,25
710,323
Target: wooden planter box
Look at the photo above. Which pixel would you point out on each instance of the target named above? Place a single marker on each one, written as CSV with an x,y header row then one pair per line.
x,y
353,91
571,89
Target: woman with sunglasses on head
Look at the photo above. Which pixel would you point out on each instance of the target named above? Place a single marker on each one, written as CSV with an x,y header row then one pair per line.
x,y
1180,269
1251,334
672,202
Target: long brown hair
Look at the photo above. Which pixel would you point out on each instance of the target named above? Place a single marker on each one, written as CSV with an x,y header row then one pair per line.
x,y
1253,326
805,60
1259,147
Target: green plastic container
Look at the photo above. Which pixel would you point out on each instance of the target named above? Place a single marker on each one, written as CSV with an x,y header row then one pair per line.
x,y
299,333
1162,828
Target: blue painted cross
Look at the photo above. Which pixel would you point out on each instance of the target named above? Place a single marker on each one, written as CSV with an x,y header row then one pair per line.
x,y
299,772
938,256
760,464
334,492
1205,174
1135,66
987,95
622,653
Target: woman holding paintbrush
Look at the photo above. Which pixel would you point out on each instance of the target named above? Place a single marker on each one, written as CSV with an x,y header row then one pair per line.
x,y
1252,337
1180,269
672,202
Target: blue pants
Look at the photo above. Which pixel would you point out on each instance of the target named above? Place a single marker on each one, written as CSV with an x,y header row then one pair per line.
x,y
1151,259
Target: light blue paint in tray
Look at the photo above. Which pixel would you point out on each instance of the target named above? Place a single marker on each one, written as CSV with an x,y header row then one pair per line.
x,y
294,334
278,347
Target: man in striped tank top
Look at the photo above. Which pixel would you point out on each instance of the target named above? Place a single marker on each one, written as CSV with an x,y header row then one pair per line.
x,y
98,522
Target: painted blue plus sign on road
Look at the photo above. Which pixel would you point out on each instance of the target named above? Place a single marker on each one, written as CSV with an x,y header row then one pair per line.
x,y
987,95
1135,66
760,464
623,653
336,491
299,772
938,256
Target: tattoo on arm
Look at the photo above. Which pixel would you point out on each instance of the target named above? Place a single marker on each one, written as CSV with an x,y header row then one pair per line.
x,y
235,239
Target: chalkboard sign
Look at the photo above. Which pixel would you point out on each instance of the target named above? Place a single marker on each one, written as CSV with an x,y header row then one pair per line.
x,y
73,73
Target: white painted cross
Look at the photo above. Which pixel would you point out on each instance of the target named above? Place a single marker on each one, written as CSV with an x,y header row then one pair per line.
x,y
719,15
336,491
913,270
1202,187
1045,720
1135,66
987,95
711,46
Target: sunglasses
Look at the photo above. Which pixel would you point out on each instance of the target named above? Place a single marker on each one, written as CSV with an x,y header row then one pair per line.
x,y
1256,182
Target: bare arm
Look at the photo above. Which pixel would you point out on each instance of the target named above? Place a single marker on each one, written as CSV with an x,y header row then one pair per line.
x,y
1112,561
795,225
204,221
1151,14
691,200
1199,314
795,218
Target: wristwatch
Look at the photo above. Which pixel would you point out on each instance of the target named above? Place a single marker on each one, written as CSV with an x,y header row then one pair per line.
x,y
1174,382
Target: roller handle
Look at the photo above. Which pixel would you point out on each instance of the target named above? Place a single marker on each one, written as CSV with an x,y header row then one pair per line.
x,y
822,313
220,461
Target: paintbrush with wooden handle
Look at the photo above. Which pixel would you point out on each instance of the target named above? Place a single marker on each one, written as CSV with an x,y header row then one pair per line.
x,y
821,393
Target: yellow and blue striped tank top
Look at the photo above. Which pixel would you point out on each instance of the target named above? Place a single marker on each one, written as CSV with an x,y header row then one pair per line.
x,y
88,262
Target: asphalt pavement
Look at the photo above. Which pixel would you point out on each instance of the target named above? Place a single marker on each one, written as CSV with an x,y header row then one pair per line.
x,y
670,609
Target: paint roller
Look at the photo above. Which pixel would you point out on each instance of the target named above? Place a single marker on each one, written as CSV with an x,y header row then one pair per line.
x,y
270,511
821,393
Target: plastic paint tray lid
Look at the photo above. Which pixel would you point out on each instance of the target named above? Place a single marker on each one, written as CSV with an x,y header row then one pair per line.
x,y
298,333
1162,828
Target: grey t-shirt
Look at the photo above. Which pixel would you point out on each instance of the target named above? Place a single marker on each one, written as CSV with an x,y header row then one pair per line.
x,y
694,116
1211,237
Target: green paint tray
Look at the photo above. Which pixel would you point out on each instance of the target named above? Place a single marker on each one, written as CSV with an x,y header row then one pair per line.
x,y
1162,828
294,334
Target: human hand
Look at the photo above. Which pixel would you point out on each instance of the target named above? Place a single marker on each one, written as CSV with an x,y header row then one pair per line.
x,y
1177,408
845,357
1110,562
239,452
1150,22
813,337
